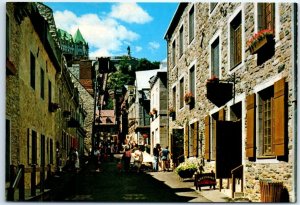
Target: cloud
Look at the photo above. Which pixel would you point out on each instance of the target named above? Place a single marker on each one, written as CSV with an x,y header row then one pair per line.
x,y
138,49
130,12
153,45
105,35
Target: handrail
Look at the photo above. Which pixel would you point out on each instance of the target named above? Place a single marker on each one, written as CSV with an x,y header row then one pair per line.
x,y
236,169
233,173
16,182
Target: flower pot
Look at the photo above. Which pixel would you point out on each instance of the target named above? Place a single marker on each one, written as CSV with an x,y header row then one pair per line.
x,y
188,173
261,43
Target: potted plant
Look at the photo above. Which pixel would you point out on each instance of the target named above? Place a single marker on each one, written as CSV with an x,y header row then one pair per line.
x,y
188,97
213,79
154,111
172,113
259,40
186,169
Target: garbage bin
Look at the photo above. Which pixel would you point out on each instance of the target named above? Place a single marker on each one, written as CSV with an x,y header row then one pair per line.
x,y
270,191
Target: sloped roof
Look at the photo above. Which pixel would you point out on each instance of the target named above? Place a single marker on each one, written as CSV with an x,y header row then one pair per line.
x,y
78,37
64,35
106,116
142,78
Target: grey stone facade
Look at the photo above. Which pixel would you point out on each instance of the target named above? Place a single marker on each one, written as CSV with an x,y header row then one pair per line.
x,y
250,77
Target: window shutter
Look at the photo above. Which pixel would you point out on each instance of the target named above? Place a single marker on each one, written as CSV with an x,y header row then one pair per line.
x,y
260,16
186,139
279,117
195,143
29,146
207,138
222,115
250,144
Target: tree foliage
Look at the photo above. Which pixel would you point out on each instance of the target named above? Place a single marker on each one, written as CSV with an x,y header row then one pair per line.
x,y
125,71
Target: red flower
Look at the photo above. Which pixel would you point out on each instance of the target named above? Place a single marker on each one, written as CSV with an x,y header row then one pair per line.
x,y
259,36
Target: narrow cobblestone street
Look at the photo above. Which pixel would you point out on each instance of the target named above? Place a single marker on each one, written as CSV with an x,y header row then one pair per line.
x,y
109,185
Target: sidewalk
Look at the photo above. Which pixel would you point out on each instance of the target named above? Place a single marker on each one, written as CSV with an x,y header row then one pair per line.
x,y
187,187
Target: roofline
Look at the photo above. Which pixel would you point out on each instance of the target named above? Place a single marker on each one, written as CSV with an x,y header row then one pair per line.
x,y
175,19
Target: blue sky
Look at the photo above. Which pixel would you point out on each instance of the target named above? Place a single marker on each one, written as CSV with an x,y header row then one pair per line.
x,y
110,28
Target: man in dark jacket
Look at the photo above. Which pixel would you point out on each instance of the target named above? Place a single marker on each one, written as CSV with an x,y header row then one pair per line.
x,y
156,151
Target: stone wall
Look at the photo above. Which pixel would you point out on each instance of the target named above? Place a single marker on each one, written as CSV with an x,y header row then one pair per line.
x,y
249,78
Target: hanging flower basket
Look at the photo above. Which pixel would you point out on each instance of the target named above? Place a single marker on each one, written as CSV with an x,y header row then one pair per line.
x,y
188,98
259,40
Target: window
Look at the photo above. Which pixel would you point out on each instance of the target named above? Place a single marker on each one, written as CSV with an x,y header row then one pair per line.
x,y
193,140
191,25
32,70
174,53
265,106
192,81
215,53
212,6
51,151
266,16
236,41
181,90
42,84
7,37
181,41
49,93
270,117
174,98
7,150
31,147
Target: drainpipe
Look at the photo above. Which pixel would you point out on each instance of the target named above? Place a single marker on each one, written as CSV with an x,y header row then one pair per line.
x,y
295,94
168,123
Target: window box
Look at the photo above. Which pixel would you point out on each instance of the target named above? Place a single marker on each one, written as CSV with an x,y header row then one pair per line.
x,y
260,40
188,98
53,107
218,92
73,123
66,113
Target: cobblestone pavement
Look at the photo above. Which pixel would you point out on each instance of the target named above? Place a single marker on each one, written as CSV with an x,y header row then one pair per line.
x,y
110,185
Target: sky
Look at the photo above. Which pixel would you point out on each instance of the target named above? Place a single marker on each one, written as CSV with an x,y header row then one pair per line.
x,y
109,28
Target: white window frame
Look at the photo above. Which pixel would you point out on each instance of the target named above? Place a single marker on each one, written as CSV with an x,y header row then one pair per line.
x,y
231,18
213,39
193,64
194,30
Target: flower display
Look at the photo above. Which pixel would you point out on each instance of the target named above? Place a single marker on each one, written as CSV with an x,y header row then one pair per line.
x,y
186,169
261,35
171,110
188,96
213,79
154,111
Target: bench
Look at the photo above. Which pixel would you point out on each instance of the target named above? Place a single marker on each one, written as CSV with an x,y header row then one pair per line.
x,y
205,179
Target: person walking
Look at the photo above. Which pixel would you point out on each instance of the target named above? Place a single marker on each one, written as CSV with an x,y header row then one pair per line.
x,y
138,158
156,157
165,157
126,158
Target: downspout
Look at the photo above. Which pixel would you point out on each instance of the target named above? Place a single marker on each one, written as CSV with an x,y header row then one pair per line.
x,y
168,115
295,94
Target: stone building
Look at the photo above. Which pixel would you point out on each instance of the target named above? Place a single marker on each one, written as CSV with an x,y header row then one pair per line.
x,y
35,78
242,113
73,47
158,109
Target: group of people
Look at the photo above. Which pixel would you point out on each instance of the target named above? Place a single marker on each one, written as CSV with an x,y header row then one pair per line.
x,y
133,158
104,152
161,158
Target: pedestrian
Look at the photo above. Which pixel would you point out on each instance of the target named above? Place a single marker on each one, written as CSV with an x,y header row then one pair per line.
x,y
97,156
165,157
138,158
76,159
156,157
126,159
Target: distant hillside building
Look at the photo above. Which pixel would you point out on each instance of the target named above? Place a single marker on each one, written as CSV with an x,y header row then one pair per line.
x,y
73,47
